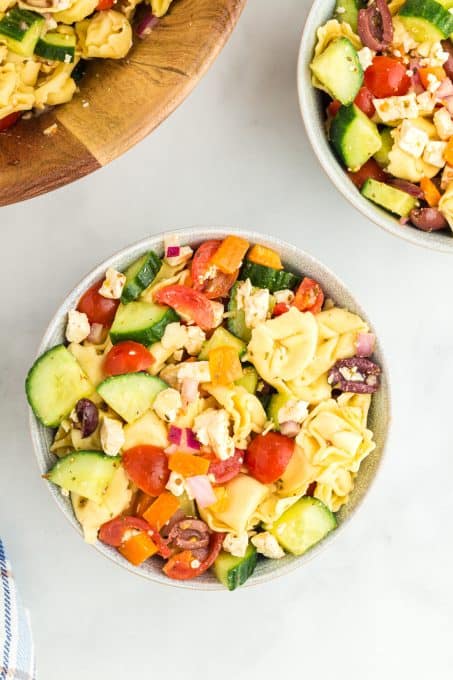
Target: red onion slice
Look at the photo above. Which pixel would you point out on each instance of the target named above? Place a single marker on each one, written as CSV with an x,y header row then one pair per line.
x,y
444,90
365,344
290,428
146,23
375,26
201,489
406,186
96,335
173,251
174,434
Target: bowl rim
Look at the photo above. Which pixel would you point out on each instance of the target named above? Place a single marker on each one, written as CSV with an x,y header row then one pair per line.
x,y
131,251
332,168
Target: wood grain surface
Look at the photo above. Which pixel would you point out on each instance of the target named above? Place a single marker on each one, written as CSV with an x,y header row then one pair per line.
x,y
127,100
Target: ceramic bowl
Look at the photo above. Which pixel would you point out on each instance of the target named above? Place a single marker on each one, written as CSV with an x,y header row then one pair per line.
x,y
313,116
297,261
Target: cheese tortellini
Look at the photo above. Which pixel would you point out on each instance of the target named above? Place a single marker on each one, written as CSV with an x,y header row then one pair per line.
x,y
108,35
244,409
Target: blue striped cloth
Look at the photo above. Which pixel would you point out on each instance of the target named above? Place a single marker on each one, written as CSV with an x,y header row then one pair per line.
x,y
17,654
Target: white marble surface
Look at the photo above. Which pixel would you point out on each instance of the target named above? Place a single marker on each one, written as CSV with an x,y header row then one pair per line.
x,y
377,604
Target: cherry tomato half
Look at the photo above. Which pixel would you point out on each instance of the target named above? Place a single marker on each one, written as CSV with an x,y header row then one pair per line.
x,y
364,100
220,284
179,566
370,169
268,455
224,470
387,77
105,4
280,308
98,308
147,467
8,121
127,357
112,532
333,108
188,303
309,296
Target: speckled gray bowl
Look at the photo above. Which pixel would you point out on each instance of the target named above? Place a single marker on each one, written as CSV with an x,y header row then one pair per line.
x,y
295,260
314,116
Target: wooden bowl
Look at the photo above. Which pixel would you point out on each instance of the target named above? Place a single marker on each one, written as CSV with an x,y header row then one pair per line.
x,y
127,100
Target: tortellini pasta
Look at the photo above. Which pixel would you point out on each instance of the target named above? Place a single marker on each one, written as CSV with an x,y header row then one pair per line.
x,y
78,10
244,409
108,35
404,166
160,7
15,94
56,88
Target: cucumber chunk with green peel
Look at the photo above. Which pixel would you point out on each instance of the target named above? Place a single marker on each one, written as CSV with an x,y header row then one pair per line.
x,y
347,11
221,338
354,137
87,473
426,20
392,199
267,277
249,379
54,385
143,322
382,155
21,29
303,525
139,275
232,571
277,401
339,70
56,47
236,320
131,394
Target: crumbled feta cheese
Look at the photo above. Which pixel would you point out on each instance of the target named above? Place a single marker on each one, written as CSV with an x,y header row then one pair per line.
x,y
209,274
112,436
51,130
175,484
195,338
366,57
396,108
254,303
113,284
294,409
340,10
285,297
443,122
212,428
198,370
402,38
185,252
236,544
167,404
412,139
433,54
433,83
267,545
434,154
64,492
177,336
447,177
218,310
78,328
426,102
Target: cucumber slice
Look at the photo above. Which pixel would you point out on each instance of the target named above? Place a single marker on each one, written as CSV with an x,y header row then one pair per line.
x,y
87,473
249,379
57,47
303,525
390,198
143,322
131,394
139,275
347,11
354,137
266,277
426,20
277,401
54,385
21,29
339,70
382,155
232,571
221,338
236,322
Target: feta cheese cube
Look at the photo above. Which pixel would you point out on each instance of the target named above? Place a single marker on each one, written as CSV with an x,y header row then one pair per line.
x,y
396,108
78,328
236,544
366,57
198,370
175,484
218,310
434,154
267,545
294,409
254,303
195,338
444,124
447,177
184,255
112,436
167,404
433,54
174,336
426,103
113,284
433,82
212,428
412,140
285,297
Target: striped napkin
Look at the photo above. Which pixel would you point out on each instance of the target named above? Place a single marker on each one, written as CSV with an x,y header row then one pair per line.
x,y
17,656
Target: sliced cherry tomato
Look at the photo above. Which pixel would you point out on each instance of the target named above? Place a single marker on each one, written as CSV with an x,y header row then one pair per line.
x,y
188,303
147,467
112,532
370,169
309,296
280,308
105,4
8,121
220,284
333,108
364,100
268,455
180,567
387,77
127,357
224,470
98,308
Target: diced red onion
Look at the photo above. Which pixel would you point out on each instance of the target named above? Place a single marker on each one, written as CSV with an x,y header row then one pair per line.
x,y
146,24
408,187
445,89
201,489
189,391
290,428
365,344
174,434
182,440
173,251
96,333
191,440
403,220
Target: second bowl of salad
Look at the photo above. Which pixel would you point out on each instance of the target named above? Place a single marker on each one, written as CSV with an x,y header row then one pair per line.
x,y
209,407
376,95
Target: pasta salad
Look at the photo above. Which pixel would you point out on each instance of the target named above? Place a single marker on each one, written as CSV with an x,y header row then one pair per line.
x,y
210,409
387,69
44,45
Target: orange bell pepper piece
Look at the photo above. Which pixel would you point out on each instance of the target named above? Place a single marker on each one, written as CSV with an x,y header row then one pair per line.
x,y
431,192
163,509
224,365
188,465
437,71
448,153
265,256
138,548
229,255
